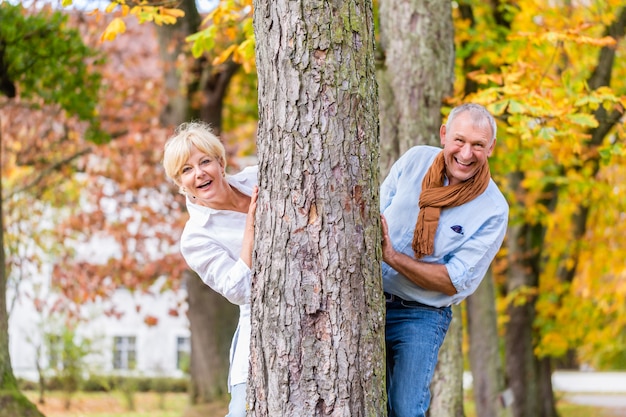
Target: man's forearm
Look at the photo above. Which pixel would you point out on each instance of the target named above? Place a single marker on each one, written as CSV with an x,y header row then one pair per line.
x,y
432,277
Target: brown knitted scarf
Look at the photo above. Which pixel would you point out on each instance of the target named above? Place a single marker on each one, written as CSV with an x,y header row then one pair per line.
x,y
435,196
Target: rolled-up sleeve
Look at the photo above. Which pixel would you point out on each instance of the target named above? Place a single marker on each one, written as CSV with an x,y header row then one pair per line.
x,y
469,263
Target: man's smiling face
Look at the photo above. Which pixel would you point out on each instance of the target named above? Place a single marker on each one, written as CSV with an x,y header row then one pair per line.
x,y
466,147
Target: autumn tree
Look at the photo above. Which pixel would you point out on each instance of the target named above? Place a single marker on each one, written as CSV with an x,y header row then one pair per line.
x,y
43,64
317,339
550,73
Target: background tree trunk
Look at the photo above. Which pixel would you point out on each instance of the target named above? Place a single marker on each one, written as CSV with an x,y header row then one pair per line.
x,y
447,392
417,40
175,63
317,305
212,318
484,351
521,363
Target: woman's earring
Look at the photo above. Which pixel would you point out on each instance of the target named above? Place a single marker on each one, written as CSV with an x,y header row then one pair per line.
x,y
187,193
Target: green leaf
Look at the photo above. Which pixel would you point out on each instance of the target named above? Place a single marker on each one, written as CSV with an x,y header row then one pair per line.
x,y
583,119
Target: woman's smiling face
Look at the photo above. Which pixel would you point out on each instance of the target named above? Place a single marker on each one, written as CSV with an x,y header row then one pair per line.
x,y
466,147
202,175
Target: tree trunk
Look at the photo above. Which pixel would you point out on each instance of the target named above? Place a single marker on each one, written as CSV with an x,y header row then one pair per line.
x,y
12,401
417,39
484,352
317,306
521,363
446,390
172,48
213,321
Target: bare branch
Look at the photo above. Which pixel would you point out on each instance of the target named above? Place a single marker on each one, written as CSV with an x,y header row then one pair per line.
x,y
45,172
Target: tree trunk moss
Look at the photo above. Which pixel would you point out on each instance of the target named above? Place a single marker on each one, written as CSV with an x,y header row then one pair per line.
x,y
14,404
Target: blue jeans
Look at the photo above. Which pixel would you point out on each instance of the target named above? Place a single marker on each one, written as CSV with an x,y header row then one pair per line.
x,y
237,405
413,335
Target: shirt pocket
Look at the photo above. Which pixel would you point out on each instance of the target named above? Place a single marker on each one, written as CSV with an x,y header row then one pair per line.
x,y
449,237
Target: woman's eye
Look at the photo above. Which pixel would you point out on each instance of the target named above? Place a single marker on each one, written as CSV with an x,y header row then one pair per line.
x,y
185,169
206,161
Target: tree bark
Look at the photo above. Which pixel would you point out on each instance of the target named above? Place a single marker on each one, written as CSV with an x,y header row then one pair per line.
x,y
417,40
175,61
447,392
523,274
484,351
317,306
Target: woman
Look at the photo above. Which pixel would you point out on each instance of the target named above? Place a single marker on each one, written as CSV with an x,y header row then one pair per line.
x,y
218,238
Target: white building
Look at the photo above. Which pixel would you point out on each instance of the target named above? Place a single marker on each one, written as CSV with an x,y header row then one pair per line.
x,y
119,345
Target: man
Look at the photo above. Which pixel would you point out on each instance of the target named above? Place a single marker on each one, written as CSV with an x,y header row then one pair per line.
x,y
443,221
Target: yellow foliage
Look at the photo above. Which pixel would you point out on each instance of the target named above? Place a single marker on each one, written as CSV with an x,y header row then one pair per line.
x,y
110,7
221,58
553,344
536,80
158,14
116,27
228,34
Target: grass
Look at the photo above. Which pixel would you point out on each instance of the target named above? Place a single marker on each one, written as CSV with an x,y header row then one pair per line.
x,y
115,404
564,408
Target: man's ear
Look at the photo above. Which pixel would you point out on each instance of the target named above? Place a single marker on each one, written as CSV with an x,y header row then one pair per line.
x,y
491,147
442,135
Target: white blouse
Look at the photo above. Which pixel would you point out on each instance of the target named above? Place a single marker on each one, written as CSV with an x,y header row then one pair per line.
x,y
211,245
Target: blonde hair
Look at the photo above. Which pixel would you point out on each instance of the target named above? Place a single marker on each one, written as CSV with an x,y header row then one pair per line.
x,y
179,146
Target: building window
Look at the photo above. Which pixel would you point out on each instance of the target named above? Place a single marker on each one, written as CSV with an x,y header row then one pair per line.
x,y
183,353
55,351
124,352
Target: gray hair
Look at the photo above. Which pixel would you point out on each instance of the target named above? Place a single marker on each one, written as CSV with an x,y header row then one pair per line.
x,y
479,114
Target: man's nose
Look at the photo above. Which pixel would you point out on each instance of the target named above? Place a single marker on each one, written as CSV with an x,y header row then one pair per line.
x,y
466,151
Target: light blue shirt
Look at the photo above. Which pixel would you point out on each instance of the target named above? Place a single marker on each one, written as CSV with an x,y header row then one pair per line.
x,y
467,238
